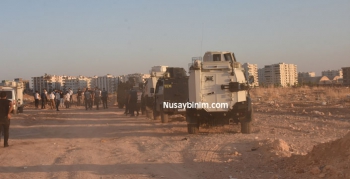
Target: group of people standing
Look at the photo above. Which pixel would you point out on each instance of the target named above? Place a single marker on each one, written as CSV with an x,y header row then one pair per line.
x,y
131,105
95,96
59,98
56,99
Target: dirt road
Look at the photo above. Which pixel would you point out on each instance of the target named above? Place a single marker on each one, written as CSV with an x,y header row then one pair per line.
x,y
75,143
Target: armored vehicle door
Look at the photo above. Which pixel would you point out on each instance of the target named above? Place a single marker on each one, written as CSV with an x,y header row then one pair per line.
x,y
212,92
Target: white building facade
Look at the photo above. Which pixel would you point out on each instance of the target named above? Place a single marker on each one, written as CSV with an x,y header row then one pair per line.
x,y
108,82
280,74
48,82
75,83
251,70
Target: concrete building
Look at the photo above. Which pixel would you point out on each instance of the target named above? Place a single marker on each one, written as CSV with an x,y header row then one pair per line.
x,y
261,76
109,82
332,73
337,80
26,83
84,82
252,70
93,82
69,82
76,83
346,76
316,80
305,76
281,74
48,82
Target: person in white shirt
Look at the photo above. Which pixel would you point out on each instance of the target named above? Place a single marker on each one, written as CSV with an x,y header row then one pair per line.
x,y
36,98
67,99
70,95
52,100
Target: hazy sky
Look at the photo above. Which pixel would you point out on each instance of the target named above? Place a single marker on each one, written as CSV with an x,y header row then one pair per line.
x,y
120,37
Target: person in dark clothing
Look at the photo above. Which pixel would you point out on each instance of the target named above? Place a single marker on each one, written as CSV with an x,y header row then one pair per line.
x,y
104,98
58,99
143,103
61,98
43,97
127,109
6,108
79,97
132,101
87,99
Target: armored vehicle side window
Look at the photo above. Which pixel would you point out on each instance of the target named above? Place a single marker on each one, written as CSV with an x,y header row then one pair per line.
x,y
228,57
216,57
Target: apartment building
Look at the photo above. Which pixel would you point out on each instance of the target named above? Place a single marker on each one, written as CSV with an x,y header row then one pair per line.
x,y
48,82
332,73
261,76
70,82
280,74
93,82
346,76
109,82
84,82
251,70
306,74
76,83
303,77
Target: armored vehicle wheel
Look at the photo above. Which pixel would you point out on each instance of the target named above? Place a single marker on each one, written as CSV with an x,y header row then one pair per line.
x,y
246,127
164,117
156,115
246,123
192,128
192,123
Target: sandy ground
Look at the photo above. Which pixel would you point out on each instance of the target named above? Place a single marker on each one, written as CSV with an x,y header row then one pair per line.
x,y
75,143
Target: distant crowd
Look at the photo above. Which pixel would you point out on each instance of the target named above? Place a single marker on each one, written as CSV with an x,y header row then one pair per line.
x,y
57,99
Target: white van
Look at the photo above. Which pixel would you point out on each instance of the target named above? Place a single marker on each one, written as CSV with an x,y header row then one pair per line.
x,y
15,94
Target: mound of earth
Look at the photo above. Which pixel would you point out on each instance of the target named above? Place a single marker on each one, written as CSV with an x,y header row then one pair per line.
x,y
277,147
328,160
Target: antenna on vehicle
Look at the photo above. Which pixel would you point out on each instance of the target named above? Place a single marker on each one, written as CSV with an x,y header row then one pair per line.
x,y
201,40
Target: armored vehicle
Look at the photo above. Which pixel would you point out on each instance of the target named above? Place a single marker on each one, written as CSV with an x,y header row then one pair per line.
x,y
148,93
170,89
218,92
